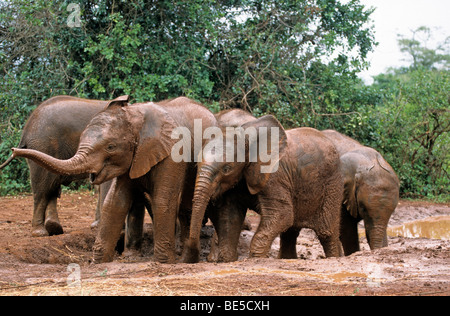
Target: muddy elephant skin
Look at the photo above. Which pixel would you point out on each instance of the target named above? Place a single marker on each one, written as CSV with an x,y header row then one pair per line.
x,y
304,192
131,145
371,192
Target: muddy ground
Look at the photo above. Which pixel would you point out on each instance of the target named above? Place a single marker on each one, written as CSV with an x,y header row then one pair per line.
x,y
60,265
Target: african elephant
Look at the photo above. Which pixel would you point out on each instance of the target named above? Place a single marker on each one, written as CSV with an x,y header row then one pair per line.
x,y
298,187
228,211
54,128
371,192
133,146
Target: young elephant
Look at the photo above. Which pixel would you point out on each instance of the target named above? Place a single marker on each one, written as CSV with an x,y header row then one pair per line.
x,y
228,211
371,192
300,187
54,128
133,146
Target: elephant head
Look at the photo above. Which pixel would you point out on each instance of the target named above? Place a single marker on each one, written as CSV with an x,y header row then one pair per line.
x,y
256,147
118,140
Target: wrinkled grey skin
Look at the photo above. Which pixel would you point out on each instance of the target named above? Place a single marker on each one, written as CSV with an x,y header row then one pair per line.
x,y
305,191
371,192
54,128
131,145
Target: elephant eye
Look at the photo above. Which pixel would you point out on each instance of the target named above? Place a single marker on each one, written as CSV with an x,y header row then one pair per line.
x,y
226,169
111,147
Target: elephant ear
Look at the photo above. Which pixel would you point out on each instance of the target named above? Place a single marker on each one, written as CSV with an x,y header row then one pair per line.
x,y
120,101
264,151
351,174
350,198
154,142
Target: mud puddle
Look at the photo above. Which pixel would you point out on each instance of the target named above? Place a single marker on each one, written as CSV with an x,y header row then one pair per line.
x,y
435,227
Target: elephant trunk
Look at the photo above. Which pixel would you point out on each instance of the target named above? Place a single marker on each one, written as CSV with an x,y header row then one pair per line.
x,y
202,194
11,158
377,236
78,164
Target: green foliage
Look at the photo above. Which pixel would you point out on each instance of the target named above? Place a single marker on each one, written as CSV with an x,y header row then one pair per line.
x,y
422,56
414,125
412,122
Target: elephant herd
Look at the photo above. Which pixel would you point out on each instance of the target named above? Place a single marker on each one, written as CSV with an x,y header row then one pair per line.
x,y
140,156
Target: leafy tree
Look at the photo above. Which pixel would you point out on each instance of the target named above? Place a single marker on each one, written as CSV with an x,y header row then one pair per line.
x,y
270,56
295,59
413,120
421,55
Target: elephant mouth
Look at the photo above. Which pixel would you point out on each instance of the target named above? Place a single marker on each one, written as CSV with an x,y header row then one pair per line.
x,y
92,177
96,178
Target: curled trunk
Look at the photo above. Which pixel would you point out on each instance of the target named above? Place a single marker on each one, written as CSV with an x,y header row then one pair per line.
x,y
78,164
11,158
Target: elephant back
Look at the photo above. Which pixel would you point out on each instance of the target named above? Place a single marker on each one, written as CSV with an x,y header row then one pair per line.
x,y
57,123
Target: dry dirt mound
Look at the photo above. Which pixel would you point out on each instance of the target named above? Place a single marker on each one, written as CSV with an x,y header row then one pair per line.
x,y
409,266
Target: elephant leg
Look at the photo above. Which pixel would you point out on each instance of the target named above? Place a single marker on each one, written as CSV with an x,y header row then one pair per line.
x,y
385,238
328,229
52,224
288,243
103,191
331,244
349,233
39,208
45,220
185,210
228,238
276,217
166,199
134,229
228,226
164,222
328,221
214,251
184,218
114,212
46,187
227,215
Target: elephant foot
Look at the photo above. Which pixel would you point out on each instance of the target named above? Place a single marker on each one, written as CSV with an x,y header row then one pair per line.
x,y
163,258
99,255
131,254
39,231
190,255
191,252
227,255
213,256
258,254
287,256
53,228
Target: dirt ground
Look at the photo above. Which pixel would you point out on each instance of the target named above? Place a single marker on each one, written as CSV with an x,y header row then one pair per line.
x,y
60,265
